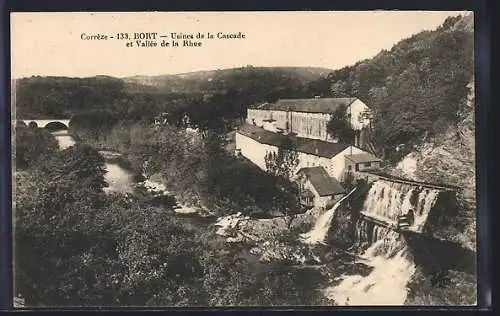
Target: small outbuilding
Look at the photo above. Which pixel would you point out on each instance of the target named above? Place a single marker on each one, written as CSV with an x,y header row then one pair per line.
x,y
317,188
362,162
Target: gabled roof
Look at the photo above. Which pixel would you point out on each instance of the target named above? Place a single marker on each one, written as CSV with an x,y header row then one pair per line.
x,y
363,157
321,181
259,106
314,105
305,145
319,148
261,135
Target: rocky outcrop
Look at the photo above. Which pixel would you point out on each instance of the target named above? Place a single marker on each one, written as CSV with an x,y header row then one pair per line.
x,y
449,158
272,240
262,229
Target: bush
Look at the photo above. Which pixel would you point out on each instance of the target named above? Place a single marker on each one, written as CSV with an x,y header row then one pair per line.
x,y
33,145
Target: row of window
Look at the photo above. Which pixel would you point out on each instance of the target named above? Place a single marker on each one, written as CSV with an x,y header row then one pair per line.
x,y
309,126
313,126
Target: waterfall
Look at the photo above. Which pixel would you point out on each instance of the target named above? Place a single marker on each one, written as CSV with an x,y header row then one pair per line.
x,y
387,253
318,233
386,284
389,200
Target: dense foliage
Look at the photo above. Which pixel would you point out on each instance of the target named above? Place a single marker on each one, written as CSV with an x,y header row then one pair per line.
x,y
453,289
284,162
339,125
77,246
32,144
271,81
197,168
213,99
416,87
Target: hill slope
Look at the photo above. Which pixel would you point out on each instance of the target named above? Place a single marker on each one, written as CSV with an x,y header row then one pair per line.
x,y
233,89
450,158
227,79
415,88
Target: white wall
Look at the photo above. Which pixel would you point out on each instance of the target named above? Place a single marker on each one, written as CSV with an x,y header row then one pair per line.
x,y
258,115
253,150
319,201
357,108
337,163
307,160
322,201
270,126
309,125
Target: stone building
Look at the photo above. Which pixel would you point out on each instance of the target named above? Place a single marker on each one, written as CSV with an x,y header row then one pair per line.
x,y
322,160
308,118
362,162
255,142
317,188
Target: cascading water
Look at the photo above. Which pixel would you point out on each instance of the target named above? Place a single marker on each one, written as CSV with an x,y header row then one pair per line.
x,y
387,251
386,283
318,233
388,200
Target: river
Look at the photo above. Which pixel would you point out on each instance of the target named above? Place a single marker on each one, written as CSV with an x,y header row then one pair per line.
x,y
118,179
385,285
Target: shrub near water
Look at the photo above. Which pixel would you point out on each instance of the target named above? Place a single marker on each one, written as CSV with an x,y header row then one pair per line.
x,y
198,169
76,246
32,144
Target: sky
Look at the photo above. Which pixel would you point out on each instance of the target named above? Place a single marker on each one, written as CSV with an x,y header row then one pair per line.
x,y
51,44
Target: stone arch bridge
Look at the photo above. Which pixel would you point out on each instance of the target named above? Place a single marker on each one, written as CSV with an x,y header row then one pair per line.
x,y
47,123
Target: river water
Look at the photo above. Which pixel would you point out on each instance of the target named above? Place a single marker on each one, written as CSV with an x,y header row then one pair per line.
x,y
118,179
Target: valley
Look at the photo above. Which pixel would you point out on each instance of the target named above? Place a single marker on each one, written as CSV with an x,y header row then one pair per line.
x,y
252,186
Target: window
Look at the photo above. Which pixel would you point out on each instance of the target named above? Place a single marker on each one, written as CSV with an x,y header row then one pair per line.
x,y
368,164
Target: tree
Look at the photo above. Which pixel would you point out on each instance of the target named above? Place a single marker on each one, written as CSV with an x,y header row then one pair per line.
x,y
283,162
56,231
283,165
339,125
77,167
32,145
338,89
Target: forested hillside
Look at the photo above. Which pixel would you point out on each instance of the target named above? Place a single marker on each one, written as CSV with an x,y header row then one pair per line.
x,y
416,88
223,93
241,79
40,97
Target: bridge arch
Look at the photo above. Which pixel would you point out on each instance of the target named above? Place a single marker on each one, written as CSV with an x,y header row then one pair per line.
x,y
56,126
48,123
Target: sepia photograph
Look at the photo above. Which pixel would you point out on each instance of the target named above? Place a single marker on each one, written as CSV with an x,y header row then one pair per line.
x,y
243,159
